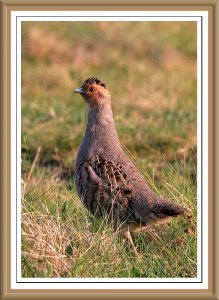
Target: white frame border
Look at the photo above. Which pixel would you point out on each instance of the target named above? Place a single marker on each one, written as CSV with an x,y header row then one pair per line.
x,y
202,76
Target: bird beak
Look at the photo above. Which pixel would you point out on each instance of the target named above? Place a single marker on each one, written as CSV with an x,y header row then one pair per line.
x,y
79,90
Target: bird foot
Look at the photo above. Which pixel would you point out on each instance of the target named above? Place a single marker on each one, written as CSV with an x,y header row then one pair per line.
x,y
128,237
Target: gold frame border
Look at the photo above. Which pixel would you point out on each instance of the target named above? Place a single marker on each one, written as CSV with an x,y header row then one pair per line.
x,y
212,6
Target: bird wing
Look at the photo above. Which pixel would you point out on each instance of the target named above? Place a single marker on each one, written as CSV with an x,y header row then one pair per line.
x,y
104,185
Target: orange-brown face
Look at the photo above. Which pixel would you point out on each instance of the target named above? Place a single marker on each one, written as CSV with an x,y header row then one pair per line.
x,y
94,91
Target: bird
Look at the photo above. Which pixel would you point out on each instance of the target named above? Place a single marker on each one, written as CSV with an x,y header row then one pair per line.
x,y
107,181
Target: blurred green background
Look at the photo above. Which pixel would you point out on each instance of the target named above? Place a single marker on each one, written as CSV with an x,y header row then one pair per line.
x,y
150,68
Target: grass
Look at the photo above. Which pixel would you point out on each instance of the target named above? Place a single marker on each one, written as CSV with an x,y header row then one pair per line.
x,y
61,239
151,70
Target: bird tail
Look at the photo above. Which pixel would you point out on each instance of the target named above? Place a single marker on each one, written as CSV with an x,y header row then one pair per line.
x,y
165,208
159,210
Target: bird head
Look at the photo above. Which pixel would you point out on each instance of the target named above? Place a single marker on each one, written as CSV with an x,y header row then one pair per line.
x,y
95,92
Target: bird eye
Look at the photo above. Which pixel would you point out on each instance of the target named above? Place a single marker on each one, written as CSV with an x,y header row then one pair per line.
x,y
91,89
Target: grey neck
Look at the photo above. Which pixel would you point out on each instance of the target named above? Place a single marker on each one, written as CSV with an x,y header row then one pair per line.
x,y
101,123
100,116
101,136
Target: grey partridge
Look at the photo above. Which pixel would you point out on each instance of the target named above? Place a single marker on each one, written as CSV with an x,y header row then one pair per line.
x,y
107,181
